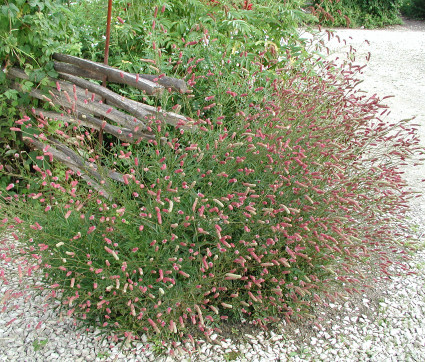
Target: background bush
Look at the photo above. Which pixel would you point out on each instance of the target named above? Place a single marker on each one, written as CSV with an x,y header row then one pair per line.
x,y
414,9
356,13
165,33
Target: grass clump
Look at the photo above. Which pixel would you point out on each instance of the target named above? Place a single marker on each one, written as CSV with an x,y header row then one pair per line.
x,y
290,179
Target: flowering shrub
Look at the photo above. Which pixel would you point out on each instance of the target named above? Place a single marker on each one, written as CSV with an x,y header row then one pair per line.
x,y
290,179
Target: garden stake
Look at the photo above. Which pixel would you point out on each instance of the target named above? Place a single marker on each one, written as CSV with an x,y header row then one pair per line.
x,y
106,56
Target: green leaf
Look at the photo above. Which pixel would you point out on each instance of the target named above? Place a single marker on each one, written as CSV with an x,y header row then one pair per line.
x,y
27,85
35,3
11,94
10,152
10,10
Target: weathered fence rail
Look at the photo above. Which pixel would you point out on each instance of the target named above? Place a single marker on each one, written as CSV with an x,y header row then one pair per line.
x,y
91,105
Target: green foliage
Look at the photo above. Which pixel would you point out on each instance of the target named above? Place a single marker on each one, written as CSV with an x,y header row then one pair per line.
x,y
232,356
160,38
152,36
356,13
102,355
414,9
30,32
39,344
180,22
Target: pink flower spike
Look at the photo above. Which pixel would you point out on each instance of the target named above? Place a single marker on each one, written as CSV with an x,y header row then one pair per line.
x,y
181,272
158,215
91,229
10,186
11,321
154,326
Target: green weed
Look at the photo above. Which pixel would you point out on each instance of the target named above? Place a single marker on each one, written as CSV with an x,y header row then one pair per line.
x,y
39,344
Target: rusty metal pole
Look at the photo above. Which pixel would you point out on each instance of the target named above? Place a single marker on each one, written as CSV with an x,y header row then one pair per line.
x,y
108,36
106,56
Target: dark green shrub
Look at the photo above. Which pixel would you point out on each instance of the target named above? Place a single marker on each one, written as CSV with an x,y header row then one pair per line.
x,y
356,13
414,9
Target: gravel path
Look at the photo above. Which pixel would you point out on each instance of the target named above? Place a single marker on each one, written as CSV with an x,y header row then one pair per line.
x,y
385,323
